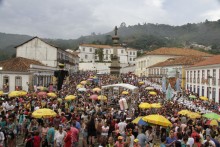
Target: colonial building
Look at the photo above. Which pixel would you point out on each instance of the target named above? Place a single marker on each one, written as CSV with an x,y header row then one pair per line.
x,y
172,68
203,78
49,55
103,53
160,55
22,74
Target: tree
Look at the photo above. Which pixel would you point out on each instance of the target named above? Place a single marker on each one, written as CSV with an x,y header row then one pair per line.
x,y
100,54
123,25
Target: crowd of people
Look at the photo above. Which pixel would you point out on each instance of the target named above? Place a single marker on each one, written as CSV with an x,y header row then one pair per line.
x,y
91,122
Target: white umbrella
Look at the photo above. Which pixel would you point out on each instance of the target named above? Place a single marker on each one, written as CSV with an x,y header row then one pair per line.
x,y
82,89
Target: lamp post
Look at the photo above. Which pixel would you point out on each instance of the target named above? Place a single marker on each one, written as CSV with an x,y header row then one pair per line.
x,y
1,82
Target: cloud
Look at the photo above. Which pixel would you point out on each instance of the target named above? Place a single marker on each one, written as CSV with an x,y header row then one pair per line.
x,y
73,18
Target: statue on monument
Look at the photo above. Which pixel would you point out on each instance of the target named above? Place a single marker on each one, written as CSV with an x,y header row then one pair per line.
x,y
116,31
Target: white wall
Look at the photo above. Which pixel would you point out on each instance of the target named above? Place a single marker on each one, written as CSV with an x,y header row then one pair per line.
x,y
201,85
148,60
25,79
99,67
127,69
38,50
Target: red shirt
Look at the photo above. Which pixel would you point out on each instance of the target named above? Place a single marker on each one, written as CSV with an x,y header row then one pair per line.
x,y
75,134
36,141
67,139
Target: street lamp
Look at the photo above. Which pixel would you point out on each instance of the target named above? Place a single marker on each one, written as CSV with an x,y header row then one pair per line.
x,y
1,82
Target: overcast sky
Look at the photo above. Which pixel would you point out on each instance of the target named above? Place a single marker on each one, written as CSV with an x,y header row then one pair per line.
x,y
70,19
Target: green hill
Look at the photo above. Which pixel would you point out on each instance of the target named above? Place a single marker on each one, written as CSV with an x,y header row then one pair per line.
x,y
141,36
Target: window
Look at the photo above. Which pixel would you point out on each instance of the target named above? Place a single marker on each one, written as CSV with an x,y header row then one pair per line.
x,y
122,51
214,77
130,59
133,59
84,49
18,81
90,49
86,56
106,51
133,53
130,53
5,84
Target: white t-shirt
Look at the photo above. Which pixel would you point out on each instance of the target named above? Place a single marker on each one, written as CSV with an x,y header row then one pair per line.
x,y
190,141
122,126
212,142
105,130
59,137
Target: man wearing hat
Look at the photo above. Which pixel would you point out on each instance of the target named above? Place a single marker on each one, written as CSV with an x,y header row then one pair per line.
x,y
61,75
136,143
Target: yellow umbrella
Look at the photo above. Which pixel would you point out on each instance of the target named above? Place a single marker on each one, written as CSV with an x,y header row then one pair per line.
x,y
144,105
193,115
149,88
136,120
22,93
152,93
79,86
184,112
204,98
141,83
157,120
14,94
83,82
156,105
213,123
51,94
1,93
96,89
125,92
70,97
102,98
43,113
59,100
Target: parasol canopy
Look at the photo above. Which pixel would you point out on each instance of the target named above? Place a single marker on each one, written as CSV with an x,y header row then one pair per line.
x,y
70,97
192,96
43,113
144,105
157,120
102,98
204,98
193,115
96,89
211,115
125,92
156,105
149,88
152,93
184,112
51,94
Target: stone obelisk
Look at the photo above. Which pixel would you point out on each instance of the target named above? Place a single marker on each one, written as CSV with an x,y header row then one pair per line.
x,y
115,65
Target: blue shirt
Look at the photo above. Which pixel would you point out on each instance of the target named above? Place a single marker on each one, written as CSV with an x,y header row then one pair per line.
x,y
51,133
170,140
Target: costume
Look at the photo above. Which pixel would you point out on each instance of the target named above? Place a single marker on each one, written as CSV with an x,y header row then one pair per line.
x,y
60,75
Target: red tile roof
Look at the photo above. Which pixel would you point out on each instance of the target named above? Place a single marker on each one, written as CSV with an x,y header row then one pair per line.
x,y
185,60
18,64
178,52
209,61
96,45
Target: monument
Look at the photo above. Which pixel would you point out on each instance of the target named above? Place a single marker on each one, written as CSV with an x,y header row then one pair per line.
x,y
115,65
